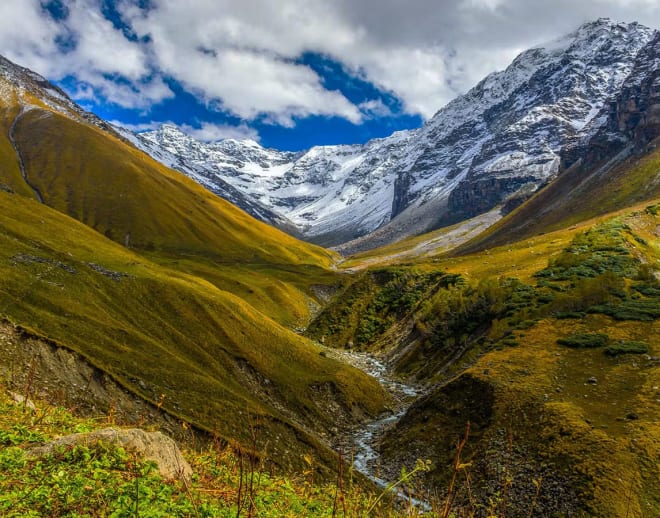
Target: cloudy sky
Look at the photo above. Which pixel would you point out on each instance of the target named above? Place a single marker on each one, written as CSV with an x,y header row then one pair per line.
x,y
288,73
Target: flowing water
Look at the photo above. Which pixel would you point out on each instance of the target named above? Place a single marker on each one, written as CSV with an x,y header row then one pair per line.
x,y
366,458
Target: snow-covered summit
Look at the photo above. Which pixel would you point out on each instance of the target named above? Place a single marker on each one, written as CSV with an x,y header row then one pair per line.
x,y
500,140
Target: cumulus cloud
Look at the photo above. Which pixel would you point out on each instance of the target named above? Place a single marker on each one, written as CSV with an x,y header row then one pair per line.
x,y
26,35
204,131
375,108
84,45
244,57
425,52
209,132
240,57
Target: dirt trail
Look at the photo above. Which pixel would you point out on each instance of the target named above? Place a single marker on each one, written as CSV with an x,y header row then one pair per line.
x,y
21,164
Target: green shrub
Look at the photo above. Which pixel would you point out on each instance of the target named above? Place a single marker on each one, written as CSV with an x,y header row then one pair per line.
x,y
644,310
599,250
648,290
525,324
569,314
627,348
584,341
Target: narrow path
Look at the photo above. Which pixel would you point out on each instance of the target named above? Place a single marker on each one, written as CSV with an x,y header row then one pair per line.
x,y
364,440
21,164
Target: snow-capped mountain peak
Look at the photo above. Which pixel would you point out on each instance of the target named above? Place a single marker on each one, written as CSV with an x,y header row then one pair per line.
x,y
502,139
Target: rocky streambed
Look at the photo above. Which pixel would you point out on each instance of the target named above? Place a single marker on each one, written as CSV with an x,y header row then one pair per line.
x,y
363,441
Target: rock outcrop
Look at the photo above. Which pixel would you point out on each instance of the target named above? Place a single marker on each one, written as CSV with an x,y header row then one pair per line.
x,y
632,118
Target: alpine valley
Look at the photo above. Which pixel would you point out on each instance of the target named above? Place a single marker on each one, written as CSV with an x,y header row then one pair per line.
x,y
488,341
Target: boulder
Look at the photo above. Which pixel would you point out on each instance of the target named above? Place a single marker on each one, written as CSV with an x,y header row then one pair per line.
x,y
150,446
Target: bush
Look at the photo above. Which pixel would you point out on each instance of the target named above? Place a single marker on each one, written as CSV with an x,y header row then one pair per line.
x,y
627,348
584,341
569,314
645,310
648,290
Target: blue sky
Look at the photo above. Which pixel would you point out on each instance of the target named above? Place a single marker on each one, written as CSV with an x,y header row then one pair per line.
x,y
288,73
383,112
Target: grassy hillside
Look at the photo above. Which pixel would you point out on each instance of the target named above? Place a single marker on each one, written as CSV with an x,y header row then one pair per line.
x,y
120,192
127,196
548,347
207,355
106,480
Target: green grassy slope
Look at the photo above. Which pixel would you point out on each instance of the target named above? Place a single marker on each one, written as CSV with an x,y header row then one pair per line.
x,y
582,417
581,422
93,176
10,173
164,334
127,196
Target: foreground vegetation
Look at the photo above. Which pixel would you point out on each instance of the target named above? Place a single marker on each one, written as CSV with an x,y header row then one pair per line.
x,y
106,480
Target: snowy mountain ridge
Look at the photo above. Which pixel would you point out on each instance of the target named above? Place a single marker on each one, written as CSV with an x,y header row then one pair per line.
x,y
499,141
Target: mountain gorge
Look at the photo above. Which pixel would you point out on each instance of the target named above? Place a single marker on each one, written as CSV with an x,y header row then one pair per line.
x,y
496,144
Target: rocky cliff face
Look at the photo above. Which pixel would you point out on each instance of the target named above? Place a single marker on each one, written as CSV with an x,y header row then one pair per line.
x,y
496,144
636,111
632,118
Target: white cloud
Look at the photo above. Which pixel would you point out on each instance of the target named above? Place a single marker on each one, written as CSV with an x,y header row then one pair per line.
x,y
375,108
26,36
100,46
241,56
99,53
209,132
423,51
137,95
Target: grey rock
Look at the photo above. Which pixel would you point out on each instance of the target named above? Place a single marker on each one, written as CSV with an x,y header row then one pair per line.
x,y
149,446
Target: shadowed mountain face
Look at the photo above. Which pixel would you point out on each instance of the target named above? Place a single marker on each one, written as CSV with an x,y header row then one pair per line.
x,y
498,142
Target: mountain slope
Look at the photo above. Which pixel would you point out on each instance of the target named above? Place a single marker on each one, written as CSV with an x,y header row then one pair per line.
x,y
548,347
94,176
617,167
206,355
140,283
76,163
500,140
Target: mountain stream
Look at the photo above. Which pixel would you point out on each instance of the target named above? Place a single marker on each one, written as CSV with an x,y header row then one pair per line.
x,y
363,440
